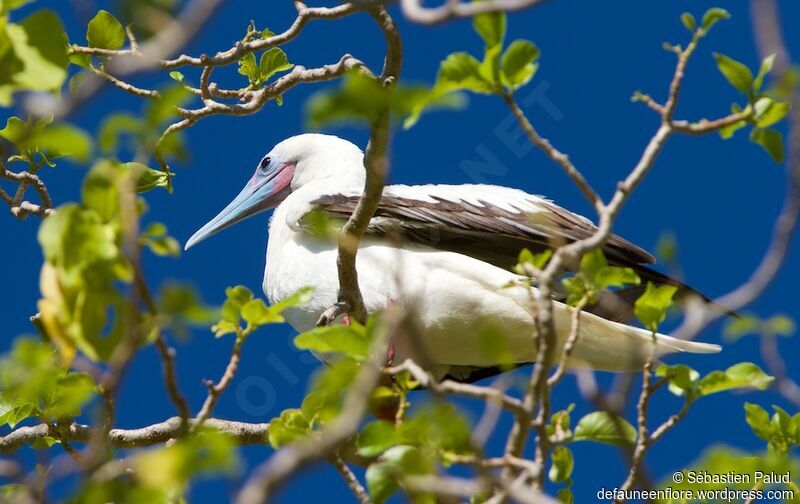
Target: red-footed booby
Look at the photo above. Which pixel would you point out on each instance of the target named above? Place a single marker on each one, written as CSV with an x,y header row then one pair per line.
x,y
449,249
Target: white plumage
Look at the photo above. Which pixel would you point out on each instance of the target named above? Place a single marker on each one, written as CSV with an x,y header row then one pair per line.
x,y
457,295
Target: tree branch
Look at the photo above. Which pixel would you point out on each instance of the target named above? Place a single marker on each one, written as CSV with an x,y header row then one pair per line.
x,y
375,163
451,9
241,432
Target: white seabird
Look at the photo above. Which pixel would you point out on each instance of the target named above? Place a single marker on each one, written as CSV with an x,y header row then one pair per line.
x,y
449,249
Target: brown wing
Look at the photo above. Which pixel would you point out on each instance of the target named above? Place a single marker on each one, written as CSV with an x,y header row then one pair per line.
x,y
485,231
493,234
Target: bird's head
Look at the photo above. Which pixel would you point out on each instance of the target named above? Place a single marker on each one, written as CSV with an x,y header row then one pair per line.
x,y
307,160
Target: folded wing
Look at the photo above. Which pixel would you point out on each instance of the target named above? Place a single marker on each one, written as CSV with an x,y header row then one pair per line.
x,y
493,224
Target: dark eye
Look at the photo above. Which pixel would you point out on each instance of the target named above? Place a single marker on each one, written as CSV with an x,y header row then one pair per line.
x,y
265,162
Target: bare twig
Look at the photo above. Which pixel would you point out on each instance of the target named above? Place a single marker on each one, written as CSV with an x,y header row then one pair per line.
x,y
556,155
426,380
350,479
415,11
569,346
215,390
166,353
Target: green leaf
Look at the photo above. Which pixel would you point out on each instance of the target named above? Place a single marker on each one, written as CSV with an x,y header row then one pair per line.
x,y
44,443
155,237
273,61
602,427
491,26
440,426
741,326
771,112
181,303
461,71
105,32
758,420
52,140
538,261
37,59
362,99
565,496
651,307
375,438
381,481
224,327
562,464
256,313
489,69
560,423
8,5
683,379
517,63
238,296
249,68
742,375
382,477
176,76
33,382
727,132
83,61
713,15
165,108
15,130
779,325
328,388
71,391
146,178
100,191
688,21
737,74
114,126
771,141
614,276
291,426
171,468
63,140
766,67
300,297
351,340
602,276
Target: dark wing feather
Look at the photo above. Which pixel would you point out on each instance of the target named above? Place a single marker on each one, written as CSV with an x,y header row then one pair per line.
x,y
496,235
486,231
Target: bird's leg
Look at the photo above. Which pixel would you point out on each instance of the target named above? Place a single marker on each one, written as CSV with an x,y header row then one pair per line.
x,y
329,315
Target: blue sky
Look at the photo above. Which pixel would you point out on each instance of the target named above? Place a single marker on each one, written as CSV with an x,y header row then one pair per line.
x,y
718,198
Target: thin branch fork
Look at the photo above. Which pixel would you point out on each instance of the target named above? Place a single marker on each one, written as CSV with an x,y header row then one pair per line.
x,y
215,390
450,387
150,56
19,207
553,153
